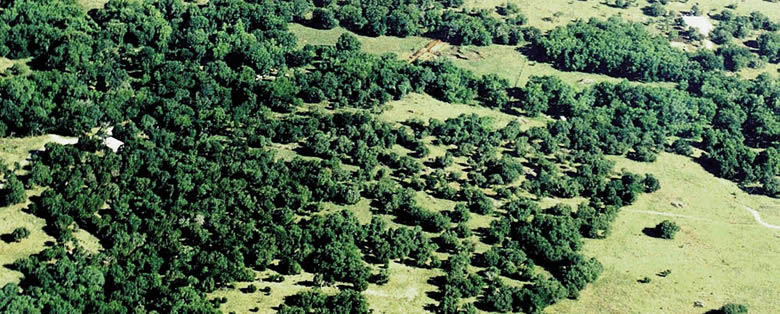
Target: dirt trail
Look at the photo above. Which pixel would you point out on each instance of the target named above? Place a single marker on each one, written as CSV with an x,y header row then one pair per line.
x,y
652,212
758,219
755,213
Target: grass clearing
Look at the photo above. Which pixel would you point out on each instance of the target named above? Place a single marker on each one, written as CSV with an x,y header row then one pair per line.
x,y
721,254
12,217
547,14
423,106
403,47
92,4
14,150
405,292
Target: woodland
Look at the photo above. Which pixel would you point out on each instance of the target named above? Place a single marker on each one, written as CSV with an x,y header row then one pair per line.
x,y
201,95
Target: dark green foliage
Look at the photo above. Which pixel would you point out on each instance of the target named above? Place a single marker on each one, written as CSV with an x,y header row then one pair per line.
x,y
655,9
667,229
460,213
547,94
769,46
615,48
682,147
720,36
735,57
732,308
12,191
348,42
33,28
742,26
324,18
651,183
642,153
418,17
550,238
19,234
204,95
314,301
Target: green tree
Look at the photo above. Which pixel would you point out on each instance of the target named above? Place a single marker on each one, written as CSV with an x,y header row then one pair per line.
x,y
324,18
732,308
348,42
13,190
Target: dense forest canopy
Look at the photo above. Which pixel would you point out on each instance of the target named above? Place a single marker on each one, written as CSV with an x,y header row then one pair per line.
x,y
197,198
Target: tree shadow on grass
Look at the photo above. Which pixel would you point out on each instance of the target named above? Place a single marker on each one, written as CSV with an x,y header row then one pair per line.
x,y
652,232
7,238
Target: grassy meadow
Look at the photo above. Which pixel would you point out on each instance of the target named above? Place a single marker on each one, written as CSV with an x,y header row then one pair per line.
x,y
720,255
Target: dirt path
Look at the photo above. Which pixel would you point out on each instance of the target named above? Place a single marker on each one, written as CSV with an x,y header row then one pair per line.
x,y
756,216
652,212
758,219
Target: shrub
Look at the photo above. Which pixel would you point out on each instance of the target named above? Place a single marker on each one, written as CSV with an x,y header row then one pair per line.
x,y
667,229
20,233
732,308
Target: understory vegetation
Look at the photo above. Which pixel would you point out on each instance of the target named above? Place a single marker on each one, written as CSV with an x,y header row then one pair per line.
x,y
203,95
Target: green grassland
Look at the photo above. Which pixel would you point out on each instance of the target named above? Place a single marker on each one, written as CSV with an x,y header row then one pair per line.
x,y
721,254
424,107
548,14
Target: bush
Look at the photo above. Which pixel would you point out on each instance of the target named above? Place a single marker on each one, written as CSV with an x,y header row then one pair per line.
x,y
20,233
348,42
651,183
682,147
667,229
655,9
732,308
642,153
251,288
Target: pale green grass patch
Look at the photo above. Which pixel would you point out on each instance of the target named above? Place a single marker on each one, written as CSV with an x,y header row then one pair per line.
x,y
13,217
92,4
405,292
403,47
721,254
14,150
424,107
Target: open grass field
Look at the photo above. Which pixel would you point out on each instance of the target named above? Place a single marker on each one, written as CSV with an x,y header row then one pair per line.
x,y
424,107
721,254
403,47
548,14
